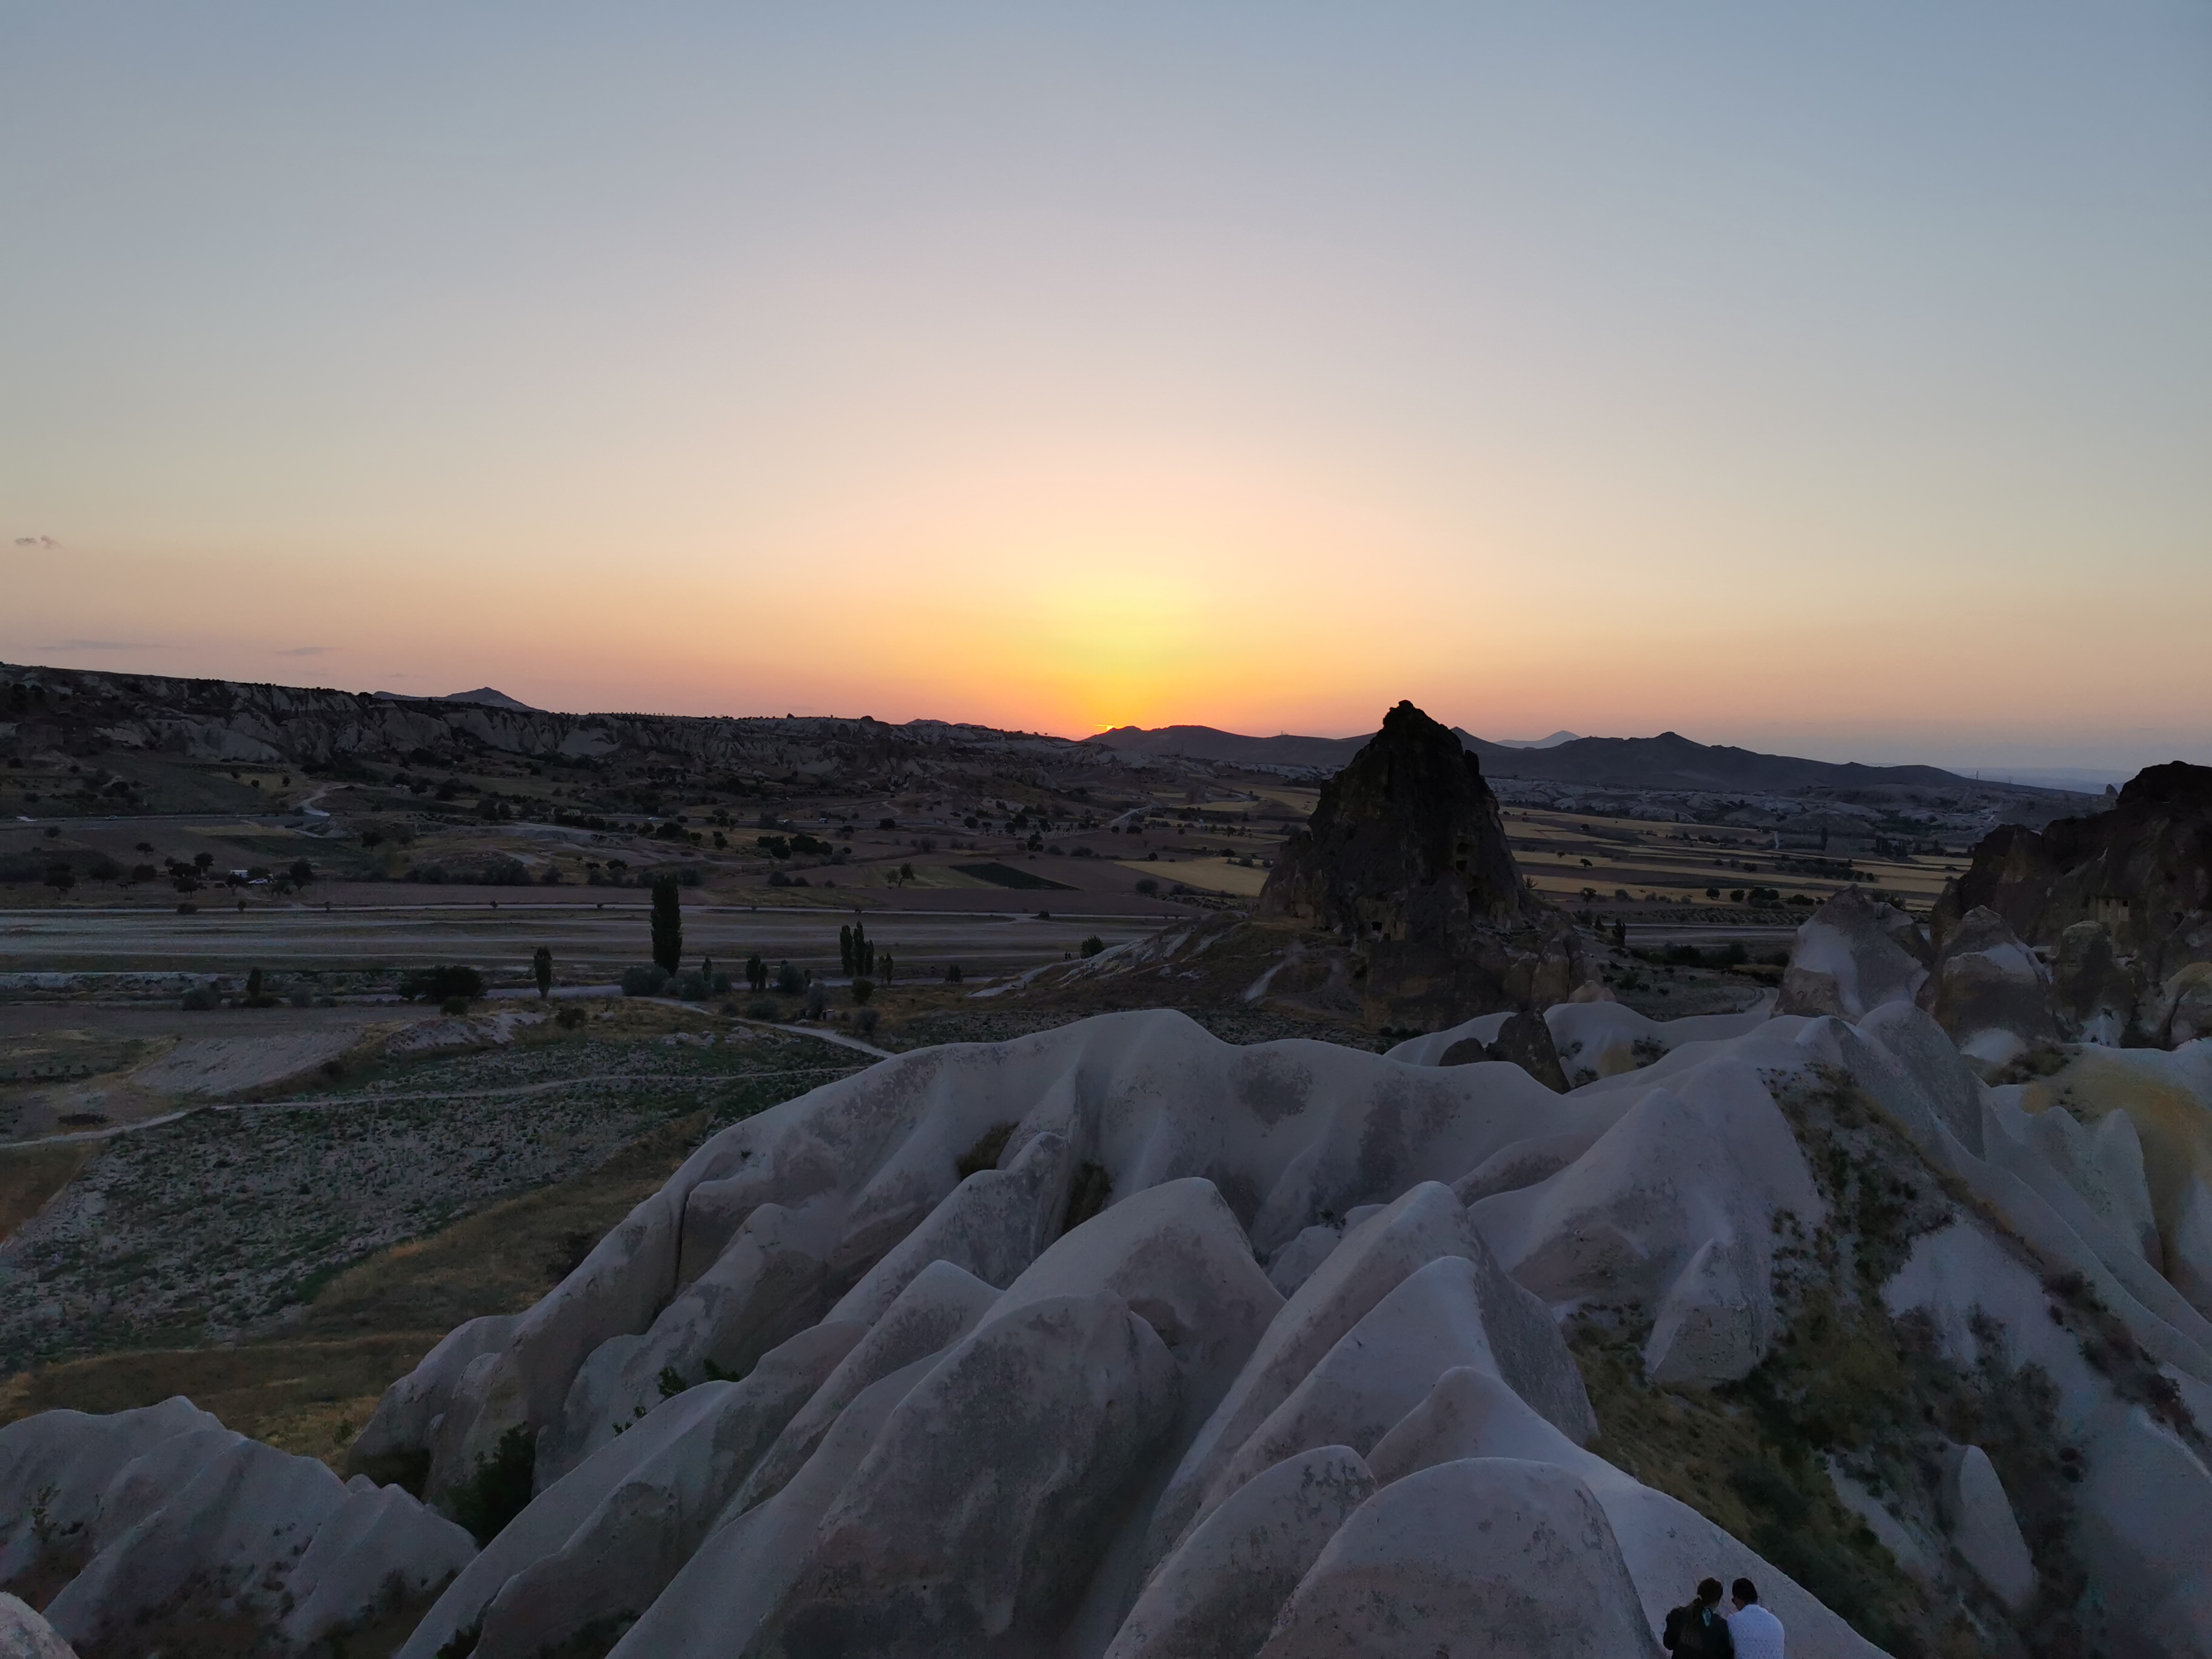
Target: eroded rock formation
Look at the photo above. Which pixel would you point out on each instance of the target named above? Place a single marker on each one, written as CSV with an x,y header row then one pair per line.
x,y
1311,1346
2122,901
1406,858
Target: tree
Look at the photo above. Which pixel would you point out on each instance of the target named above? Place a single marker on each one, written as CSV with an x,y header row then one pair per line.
x,y
667,923
887,966
301,872
203,862
845,949
60,878
541,970
755,972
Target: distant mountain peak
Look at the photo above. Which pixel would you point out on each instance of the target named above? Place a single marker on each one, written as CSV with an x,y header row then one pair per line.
x,y
1552,742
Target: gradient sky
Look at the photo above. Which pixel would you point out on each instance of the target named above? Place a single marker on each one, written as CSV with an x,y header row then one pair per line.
x,y
1834,379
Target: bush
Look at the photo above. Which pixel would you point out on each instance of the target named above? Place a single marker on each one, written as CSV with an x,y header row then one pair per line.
x,y
694,987
569,1019
762,1008
496,1493
867,1020
863,988
789,980
984,1154
817,1001
952,972
644,981
1087,1194
1147,886
199,999
440,984
454,1005
1093,945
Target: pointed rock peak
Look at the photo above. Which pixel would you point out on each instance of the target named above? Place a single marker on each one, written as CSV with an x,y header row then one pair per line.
x,y
1405,857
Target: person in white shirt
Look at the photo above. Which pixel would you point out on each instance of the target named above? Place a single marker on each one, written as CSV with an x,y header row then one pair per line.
x,y
1756,1632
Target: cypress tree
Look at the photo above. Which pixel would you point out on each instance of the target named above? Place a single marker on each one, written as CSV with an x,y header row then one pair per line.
x,y
667,923
541,970
845,949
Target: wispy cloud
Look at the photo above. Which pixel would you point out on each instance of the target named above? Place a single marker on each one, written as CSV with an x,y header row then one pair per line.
x,y
309,651
46,542
98,645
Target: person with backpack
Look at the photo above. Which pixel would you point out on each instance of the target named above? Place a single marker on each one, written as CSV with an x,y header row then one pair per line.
x,y
1696,1630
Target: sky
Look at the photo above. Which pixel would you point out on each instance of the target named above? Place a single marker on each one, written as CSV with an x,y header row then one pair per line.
x,y
1835,379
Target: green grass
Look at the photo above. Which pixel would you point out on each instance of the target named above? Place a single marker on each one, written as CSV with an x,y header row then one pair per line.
x,y
1007,875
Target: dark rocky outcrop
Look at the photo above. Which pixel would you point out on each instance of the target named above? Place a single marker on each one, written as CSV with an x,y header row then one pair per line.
x,y
2139,874
1405,857
1524,1040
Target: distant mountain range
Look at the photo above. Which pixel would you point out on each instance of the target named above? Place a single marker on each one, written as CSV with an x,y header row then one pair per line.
x,y
484,694
1668,761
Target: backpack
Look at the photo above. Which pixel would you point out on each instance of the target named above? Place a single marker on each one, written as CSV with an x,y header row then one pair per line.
x,y
1698,1632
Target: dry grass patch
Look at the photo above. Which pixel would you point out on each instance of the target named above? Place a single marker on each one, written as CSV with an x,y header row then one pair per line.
x,y
31,1175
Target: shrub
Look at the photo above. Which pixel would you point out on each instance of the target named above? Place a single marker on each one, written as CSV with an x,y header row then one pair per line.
x,y
762,1008
952,972
1086,1194
569,1019
496,1493
1147,886
817,1001
694,987
863,988
199,999
1093,945
441,983
454,1005
867,1020
644,981
984,1154
789,980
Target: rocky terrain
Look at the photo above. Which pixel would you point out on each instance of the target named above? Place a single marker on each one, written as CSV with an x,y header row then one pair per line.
x,y
1120,1339
207,1228
1406,861
1891,1291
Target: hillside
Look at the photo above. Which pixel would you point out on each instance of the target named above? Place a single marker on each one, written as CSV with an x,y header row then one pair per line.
x,y
1669,762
